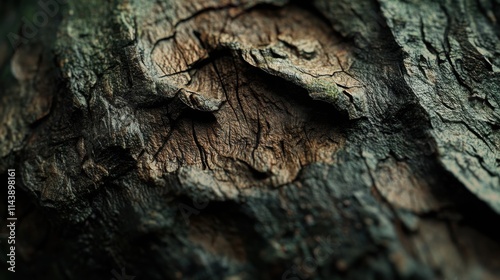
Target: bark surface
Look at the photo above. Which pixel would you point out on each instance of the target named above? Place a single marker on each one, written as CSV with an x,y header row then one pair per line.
x,y
255,139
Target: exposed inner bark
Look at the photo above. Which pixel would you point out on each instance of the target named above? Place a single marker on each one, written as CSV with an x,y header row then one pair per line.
x,y
257,140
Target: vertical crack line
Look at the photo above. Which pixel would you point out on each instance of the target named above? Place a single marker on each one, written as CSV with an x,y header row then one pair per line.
x,y
237,88
169,134
257,136
203,156
214,65
217,72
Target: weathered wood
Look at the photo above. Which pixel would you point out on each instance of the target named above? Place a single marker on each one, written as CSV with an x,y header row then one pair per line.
x,y
259,139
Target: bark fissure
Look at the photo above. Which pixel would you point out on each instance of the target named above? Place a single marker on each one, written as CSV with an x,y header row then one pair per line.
x,y
259,139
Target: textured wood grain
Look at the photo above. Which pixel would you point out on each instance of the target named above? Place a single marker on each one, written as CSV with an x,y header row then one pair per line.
x,y
257,139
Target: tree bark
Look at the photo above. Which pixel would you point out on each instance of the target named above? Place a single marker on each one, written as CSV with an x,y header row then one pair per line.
x,y
256,139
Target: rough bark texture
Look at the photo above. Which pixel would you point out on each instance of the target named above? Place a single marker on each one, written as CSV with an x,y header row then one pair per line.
x,y
189,139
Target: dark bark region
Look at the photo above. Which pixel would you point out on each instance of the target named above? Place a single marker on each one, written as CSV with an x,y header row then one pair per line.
x,y
257,140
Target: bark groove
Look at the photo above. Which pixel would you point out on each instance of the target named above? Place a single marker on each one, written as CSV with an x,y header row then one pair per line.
x,y
257,139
